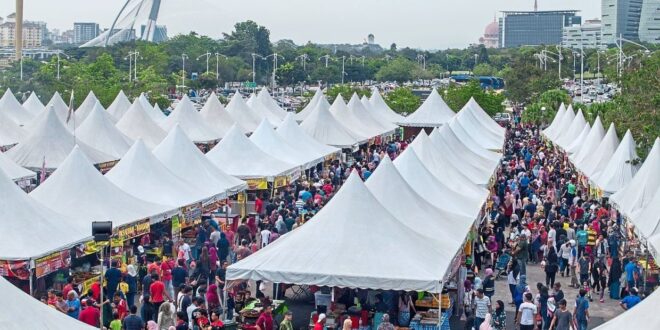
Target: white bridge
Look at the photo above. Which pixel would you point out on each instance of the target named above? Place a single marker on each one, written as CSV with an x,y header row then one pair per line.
x,y
132,13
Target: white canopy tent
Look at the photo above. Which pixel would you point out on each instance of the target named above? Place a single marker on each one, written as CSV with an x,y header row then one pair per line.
x,y
293,134
21,309
620,168
99,132
33,105
30,229
137,124
79,191
183,158
638,192
401,200
142,175
579,141
597,161
446,171
10,131
61,107
471,143
381,109
647,220
340,111
155,113
478,169
433,112
550,130
573,131
483,157
50,142
483,128
13,170
86,107
271,104
119,106
242,113
360,112
486,121
215,115
273,144
591,142
309,108
643,316
263,112
250,100
466,127
562,128
191,122
433,190
14,110
353,220
238,156
325,128
365,102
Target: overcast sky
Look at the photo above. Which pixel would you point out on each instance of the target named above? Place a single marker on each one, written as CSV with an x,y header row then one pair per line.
x,y
427,24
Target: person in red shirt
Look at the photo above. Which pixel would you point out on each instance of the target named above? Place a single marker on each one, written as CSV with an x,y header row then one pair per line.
x,y
258,205
153,268
216,324
157,291
68,287
120,305
90,315
96,290
265,320
166,273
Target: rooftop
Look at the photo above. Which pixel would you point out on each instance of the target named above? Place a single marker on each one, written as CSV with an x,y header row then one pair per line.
x,y
540,12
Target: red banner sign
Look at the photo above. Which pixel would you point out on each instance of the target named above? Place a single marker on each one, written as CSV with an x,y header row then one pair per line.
x,y
15,269
51,263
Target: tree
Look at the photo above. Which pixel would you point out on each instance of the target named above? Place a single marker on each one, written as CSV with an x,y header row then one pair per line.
x,y
483,69
545,109
398,69
248,37
346,92
458,95
525,81
402,100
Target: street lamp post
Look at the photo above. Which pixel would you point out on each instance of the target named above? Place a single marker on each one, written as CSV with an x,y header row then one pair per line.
x,y
207,60
327,58
135,55
622,55
130,65
303,59
476,58
421,59
254,62
58,62
275,57
184,56
217,65
343,72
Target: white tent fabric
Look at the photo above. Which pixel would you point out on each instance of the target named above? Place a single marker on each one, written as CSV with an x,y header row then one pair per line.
x,y
473,128
79,191
259,108
13,170
402,201
183,158
307,110
325,128
432,113
595,163
637,194
620,168
250,100
119,106
644,316
273,144
30,229
137,124
50,142
566,121
10,131
33,105
191,122
142,175
365,102
550,130
360,112
433,190
21,309
99,132
242,113
486,121
469,141
61,107
238,156
647,220
576,127
352,221
270,103
14,110
292,133
340,111
447,172
86,107
578,142
215,115
155,114
591,142
478,169
380,108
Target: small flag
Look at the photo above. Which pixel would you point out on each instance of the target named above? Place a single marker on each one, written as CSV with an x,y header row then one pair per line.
x,y
42,175
70,112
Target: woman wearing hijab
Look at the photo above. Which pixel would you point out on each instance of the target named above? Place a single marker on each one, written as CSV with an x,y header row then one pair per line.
x,y
166,316
131,280
489,284
499,317
212,298
223,247
467,298
520,291
213,259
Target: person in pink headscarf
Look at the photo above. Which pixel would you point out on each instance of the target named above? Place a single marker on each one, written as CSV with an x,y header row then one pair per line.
x,y
212,297
489,283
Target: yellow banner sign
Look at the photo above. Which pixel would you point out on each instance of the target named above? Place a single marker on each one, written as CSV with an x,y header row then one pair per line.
x,y
280,181
257,184
135,230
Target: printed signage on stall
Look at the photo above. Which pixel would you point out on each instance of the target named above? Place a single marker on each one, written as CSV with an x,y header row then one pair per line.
x,y
134,230
257,184
14,269
52,262
191,215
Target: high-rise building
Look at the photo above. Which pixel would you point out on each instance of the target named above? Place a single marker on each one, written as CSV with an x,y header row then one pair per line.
x,y
84,32
586,35
649,22
533,28
32,34
620,17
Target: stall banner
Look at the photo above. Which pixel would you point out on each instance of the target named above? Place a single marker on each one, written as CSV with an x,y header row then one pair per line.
x,y
138,229
191,215
14,268
212,207
280,181
257,184
52,262
176,226
87,284
88,248
105,167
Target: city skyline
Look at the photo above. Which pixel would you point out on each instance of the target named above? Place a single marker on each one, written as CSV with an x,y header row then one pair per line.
x,y
390,21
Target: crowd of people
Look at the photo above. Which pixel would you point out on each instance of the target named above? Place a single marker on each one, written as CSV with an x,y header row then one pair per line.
x,y
541,217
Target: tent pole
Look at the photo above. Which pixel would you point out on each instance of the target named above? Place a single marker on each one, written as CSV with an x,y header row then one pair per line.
x,y
31,281
224,299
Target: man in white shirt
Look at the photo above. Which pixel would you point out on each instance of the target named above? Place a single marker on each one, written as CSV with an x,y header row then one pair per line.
x,y
265,237
526,313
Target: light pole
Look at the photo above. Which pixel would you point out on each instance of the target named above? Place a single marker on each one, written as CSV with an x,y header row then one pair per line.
x,y
254,62
303,59
184,56
421,59
217,65
343,72
58,62
275,57
447,60
622,55
327,58
130,65
476,58
135,55
207,60
21,67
